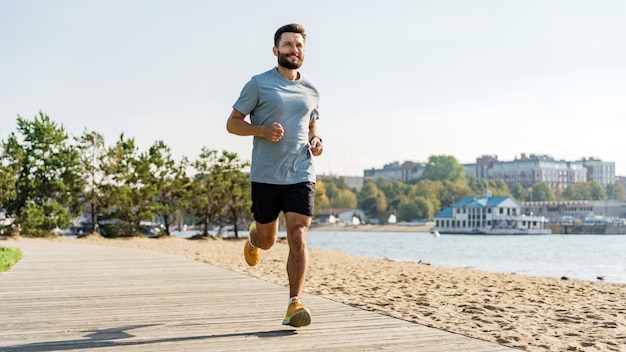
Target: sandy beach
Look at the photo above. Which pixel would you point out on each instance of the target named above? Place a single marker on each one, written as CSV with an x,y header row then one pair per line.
x,y
529,313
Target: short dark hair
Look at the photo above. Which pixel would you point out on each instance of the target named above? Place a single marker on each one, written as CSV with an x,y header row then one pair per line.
x,y
288,28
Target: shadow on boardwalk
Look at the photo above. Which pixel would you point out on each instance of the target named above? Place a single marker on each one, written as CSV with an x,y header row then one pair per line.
x,y
113,338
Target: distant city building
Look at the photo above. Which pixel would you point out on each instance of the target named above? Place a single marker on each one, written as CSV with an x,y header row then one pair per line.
x,y
396,172
483,165
530,170
470,170
355,182
526,170
533,169
601,171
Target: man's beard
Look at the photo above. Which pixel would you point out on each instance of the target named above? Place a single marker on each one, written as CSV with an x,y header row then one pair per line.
x,y
284,62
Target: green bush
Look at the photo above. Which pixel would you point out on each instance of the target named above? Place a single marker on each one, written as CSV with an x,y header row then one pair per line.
x,y
8,257
40,220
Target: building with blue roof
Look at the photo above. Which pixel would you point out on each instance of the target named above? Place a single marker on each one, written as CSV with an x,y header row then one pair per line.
x,y
490,216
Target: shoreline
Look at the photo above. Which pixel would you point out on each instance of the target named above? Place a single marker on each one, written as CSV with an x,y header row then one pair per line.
x,y
529,313
371,228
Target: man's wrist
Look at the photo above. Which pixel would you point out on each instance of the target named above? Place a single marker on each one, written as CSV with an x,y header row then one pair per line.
x,y
312,138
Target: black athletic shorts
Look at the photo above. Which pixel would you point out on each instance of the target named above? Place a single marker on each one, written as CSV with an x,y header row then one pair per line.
x,y
269,200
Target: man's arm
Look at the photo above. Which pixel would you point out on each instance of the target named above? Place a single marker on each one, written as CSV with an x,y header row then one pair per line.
x,y
316,142
237,124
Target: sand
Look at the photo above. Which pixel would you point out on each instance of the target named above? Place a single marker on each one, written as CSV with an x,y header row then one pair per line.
x,y
529,313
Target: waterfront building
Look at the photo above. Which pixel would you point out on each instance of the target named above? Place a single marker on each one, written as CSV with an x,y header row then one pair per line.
x,y
556,211
490,216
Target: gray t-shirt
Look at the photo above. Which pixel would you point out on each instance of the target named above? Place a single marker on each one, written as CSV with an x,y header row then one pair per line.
x,y
267,98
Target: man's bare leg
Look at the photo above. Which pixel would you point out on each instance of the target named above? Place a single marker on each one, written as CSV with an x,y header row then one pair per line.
x,y
298,260
261,237
297,263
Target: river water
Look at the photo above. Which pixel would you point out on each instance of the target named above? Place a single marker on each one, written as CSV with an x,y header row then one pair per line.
x,y
579,257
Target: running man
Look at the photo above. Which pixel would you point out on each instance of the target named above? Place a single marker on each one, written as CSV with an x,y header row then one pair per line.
x,y
283,110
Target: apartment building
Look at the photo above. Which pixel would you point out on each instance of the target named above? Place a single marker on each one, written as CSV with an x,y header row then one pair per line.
x,y
601,171
396,172
526,170
532,169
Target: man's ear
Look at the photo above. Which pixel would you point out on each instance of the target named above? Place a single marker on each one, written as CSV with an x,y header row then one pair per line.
x,y
275,51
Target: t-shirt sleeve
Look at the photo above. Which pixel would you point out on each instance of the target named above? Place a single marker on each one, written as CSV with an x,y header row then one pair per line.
x,y
248,99
314,116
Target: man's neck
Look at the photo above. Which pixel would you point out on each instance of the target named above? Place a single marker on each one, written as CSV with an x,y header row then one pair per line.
x,y
289,74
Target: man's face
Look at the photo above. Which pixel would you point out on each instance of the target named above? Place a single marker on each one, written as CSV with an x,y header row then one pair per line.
x,y
290,50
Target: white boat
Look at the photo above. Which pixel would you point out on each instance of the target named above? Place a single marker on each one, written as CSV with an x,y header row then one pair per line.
x,y
489,216
434,232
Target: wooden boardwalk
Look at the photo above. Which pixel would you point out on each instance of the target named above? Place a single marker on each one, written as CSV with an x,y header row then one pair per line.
x,y
75,297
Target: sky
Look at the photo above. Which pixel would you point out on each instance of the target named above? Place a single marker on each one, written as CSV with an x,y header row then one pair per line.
x,y
398,80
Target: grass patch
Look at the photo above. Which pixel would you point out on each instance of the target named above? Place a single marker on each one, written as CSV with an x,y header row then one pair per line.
x,y
8,257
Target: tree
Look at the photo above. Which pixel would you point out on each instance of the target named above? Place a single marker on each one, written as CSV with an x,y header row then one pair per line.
x,y
444,167
92,151
615,191
584,191
477,186
596,190
8,178
331,193
40,219
207,199
452,192
406,209
519,192
432,191
392,189
168,180
410,209
345,199
498,188
381,207
236,185
373,201
126,194
48,182
577,191
321,200
334,192
541,192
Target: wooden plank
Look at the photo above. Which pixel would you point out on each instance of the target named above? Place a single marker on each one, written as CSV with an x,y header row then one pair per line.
x,y
75,297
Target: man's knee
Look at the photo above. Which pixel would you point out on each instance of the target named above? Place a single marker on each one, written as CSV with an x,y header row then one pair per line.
x,y
264,243
297,240
296,234
266,235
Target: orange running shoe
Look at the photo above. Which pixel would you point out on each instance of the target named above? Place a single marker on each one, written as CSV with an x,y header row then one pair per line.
x,y
252,254
297,314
